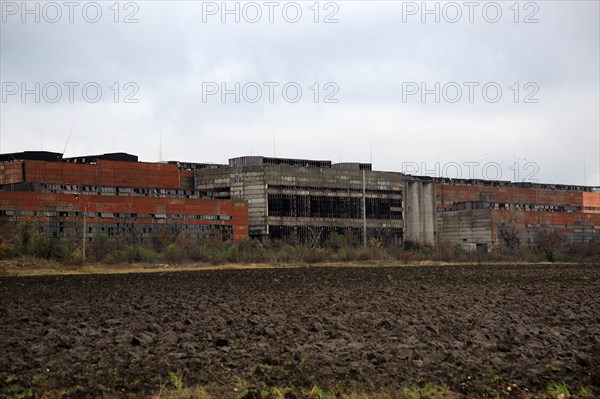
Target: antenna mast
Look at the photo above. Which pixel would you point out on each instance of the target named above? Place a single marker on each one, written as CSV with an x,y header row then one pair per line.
x,y
68,138
584,171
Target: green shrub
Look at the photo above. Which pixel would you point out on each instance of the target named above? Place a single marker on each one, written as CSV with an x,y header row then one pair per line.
x,y
335,241
283,256
251,251
558,390
344,255
145,254
201,253
61,250
38,245
174,254
232,253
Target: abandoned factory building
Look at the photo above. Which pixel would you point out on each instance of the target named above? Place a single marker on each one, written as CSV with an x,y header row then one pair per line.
x,y
299,201
114,195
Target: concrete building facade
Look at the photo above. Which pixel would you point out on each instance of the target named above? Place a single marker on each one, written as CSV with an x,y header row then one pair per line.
x,y
478,214
420,211
299,201
303,201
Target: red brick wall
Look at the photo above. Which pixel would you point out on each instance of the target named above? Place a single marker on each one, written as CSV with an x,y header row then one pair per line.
x,y
11,172
511,195
96,204
104,173
240,215
591,200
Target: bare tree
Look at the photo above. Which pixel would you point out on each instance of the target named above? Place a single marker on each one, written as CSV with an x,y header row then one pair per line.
x,y
548,241
509,235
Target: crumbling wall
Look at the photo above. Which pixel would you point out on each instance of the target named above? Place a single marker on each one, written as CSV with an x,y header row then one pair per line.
x,y
420,212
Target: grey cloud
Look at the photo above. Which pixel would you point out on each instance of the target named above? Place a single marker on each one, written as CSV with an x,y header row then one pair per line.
x,y
369,54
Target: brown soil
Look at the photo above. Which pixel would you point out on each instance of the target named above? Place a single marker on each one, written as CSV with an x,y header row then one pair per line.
x,y
475,329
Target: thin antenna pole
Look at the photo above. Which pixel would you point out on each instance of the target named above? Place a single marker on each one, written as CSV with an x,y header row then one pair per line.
x,y
160,145
584,170
371,151
341,150
68,138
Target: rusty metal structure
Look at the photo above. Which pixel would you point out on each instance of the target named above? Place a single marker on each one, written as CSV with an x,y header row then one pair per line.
x,y
114,195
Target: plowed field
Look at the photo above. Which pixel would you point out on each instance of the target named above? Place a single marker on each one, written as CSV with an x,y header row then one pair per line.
x,y
475,330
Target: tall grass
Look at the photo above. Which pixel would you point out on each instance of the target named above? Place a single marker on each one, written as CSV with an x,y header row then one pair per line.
x,y
28,239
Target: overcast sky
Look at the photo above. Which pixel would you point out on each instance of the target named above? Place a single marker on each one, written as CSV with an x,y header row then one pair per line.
x,y
514,83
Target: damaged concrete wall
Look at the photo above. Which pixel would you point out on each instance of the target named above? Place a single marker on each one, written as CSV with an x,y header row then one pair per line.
x,y
419,212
